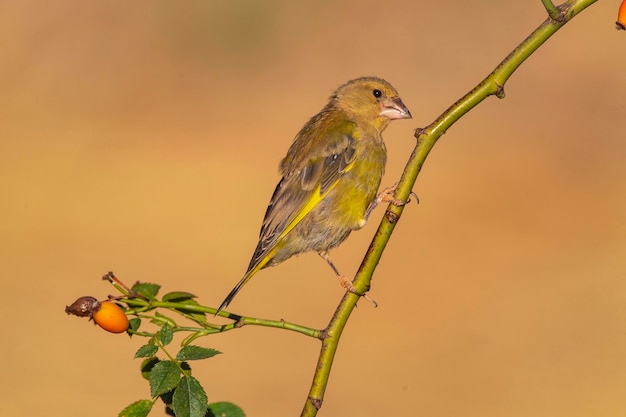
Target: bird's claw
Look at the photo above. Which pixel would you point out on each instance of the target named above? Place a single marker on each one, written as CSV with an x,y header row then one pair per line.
x,y
387,195
417,199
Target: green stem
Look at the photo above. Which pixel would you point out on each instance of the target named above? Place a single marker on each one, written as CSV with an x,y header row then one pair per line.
x,y
493,84
552,10
141,306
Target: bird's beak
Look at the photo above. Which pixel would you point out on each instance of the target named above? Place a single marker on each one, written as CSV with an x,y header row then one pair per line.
x,y
394,108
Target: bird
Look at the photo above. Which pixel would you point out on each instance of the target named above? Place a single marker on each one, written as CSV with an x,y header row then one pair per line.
x,y
330,177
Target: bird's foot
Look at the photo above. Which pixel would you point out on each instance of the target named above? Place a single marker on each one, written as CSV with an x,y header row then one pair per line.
x,y
387,195
347,284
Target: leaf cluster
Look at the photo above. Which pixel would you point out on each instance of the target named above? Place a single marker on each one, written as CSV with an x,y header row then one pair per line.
x,y
171,378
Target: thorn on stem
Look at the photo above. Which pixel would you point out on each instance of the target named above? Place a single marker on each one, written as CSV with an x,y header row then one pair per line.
x,y
316,402
500,91
391,217
419,132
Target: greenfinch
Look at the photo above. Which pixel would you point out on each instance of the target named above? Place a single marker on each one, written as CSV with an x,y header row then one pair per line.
x,y
330,177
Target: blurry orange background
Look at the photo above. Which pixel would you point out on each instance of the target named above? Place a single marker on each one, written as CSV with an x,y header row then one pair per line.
x,y
144,138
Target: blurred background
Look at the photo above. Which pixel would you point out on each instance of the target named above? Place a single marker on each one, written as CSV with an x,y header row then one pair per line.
x,y
144,138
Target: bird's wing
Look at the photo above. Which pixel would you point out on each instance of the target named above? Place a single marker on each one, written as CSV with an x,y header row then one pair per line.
x,y
299,191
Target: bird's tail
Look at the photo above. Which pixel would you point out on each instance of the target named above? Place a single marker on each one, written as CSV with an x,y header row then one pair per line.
x,y
253,269
234,292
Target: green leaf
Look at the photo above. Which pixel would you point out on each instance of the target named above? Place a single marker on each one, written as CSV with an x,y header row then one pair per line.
x,y
165,335
190,353
139,408
146,289
225,409
163,377
178,296
134,323
146,351
190,400
147,365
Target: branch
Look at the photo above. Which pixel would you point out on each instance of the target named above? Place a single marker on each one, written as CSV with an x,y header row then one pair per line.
x,y
493,84
552,10
187,310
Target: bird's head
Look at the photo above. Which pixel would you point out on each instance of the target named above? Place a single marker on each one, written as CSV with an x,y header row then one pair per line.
x,y
371,100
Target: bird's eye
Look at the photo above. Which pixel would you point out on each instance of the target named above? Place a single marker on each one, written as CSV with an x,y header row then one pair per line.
x,y
377,93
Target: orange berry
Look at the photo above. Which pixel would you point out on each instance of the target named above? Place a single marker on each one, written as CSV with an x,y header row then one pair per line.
x,y
111,317
621,16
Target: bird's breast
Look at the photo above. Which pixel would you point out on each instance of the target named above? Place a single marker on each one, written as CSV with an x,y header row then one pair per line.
x,y
358,187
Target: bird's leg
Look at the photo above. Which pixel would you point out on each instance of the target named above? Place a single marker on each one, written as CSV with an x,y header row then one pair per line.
x,y
343,281
387,195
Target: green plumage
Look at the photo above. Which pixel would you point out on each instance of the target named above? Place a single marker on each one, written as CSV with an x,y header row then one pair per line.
x,y
330,176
